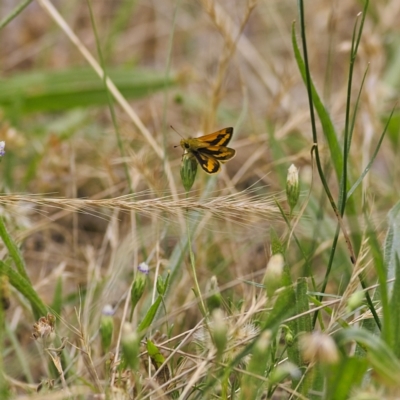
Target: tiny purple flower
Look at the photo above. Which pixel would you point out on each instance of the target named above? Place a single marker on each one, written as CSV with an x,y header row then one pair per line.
x,y
143,268
108,310
2,146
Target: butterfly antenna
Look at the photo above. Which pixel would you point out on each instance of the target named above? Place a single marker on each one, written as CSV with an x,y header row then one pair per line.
x,y
177,133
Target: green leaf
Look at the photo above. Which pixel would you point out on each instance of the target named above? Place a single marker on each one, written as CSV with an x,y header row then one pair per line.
x,y
13,250
344,376
78,87
378,353
149,317
299,325
25,288
156,357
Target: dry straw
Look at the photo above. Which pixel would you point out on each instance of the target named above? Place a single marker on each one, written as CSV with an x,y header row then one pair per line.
x,y
236,206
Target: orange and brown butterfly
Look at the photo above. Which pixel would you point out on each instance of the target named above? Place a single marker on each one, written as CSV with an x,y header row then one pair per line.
x,y
210,150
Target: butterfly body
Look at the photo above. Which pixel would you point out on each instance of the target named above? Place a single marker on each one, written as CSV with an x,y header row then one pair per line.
x,y
210,150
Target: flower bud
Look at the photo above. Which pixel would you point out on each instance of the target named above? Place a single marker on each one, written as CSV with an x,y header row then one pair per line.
x,y
257,365
219,330
214,298
355,301
160,285
143,268
130,346
318,347
274,274
289,338
106,327
282,371
292,187
139,284
188,170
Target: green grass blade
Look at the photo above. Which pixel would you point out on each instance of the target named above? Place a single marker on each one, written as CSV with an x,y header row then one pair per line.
x,y
347,129
57,304
381,293
298,326
18,9
327,125
13,250
75,87
25,288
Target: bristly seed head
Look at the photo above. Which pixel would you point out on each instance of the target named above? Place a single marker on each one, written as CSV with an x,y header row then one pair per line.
x,y
236,339
43,330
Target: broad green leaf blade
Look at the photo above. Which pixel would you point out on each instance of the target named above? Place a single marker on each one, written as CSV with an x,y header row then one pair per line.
x,y
345,376
60,90
379,354
149,317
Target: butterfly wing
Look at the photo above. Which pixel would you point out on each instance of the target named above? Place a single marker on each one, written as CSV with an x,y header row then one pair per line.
x,y
219,138
207,162
220,153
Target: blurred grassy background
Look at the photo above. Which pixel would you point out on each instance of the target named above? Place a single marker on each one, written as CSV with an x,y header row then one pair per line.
x,y
171,61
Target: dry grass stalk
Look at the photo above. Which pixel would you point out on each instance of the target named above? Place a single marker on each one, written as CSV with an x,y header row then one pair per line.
x,y
230,206
231,36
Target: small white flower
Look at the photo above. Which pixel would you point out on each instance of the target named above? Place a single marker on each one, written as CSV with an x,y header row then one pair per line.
x,y
2,146
143,268
108,310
